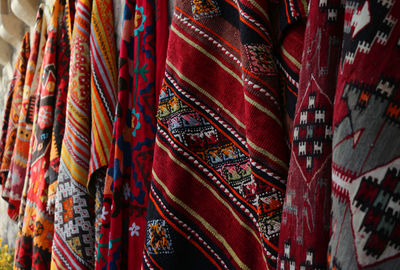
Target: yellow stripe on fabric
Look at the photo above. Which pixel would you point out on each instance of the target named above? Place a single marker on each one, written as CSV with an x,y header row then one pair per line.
x,y
290,57
211,189
201,90
267,154
200,49
207,225
262,108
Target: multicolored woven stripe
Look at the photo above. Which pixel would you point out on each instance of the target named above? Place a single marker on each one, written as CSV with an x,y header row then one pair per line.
x,y
142,60
103,97
366,141
103,82
13,109
220,160
16,178
73,244
305,219
35,241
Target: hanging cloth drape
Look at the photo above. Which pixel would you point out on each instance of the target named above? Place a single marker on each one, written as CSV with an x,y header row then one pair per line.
x,y
365,226
73,243
220,159
103,97
305,219
13,109
16,178
63,59
142,59
35,240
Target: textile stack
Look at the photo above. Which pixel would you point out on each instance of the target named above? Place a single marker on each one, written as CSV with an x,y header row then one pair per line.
x,y
220,134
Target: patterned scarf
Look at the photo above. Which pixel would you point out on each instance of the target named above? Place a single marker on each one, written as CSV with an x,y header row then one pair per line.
x,y
220,160
12,109
365,226
16,178
142,56
73,243
36,237
305,219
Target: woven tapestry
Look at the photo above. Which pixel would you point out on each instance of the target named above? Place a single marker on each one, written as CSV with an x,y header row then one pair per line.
x,y
220,159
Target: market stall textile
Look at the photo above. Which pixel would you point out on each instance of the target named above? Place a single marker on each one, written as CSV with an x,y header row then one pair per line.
x,y
63,57
306,212
103,99
12,109
365,221
35,240
220,159
12,190
73,243
142,63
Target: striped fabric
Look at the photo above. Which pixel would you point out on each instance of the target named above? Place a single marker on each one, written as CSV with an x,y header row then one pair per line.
x,y
103,98
73,243
16,178
103,83
35,239
142,59
13,109
220,160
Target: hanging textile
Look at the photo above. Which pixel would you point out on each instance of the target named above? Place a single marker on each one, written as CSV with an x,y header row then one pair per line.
x,y
73,243
142,61
63,59
103,98
365,226
12,109
34,242
16,178
291,25
305,220
103,82
220,157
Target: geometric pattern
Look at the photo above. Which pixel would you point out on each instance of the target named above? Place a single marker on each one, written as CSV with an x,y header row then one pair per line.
x,y
204,8
376,213
158,239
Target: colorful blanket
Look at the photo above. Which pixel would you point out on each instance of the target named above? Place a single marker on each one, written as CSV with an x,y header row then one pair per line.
x,y
73,243
13,187
13,109
220,159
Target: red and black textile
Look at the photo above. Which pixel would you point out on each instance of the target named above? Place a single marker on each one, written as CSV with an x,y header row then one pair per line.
x,y
366,141
305,219
220,159
12,109
142,63
292,18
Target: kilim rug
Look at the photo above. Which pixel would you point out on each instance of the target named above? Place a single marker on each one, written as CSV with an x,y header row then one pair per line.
x,y
142,61
306,212
220,160
366,142
34,242
13,187
13,109
73,243
63,59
